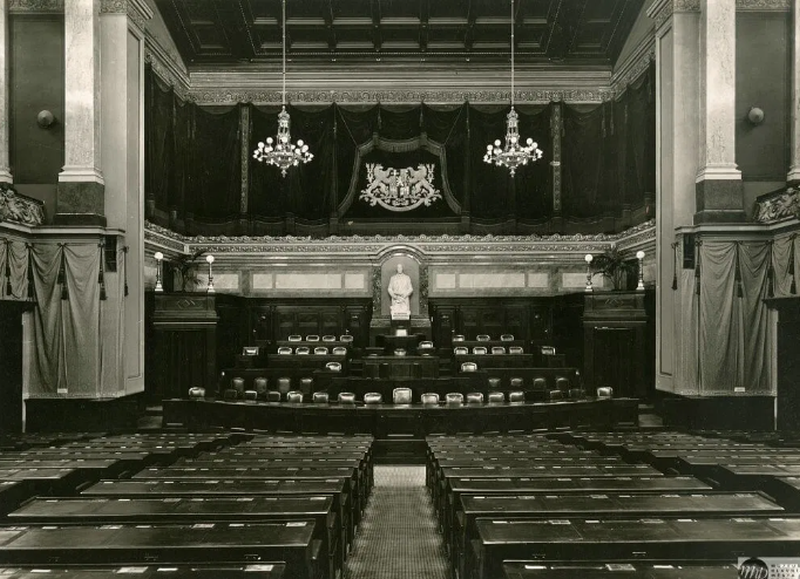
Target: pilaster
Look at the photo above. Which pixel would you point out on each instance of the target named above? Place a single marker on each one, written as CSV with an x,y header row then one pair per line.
x,y
794,165
719,181
81,187
5,169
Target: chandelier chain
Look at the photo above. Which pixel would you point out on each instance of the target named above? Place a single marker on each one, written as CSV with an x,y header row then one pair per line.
x,y
512,53
283,52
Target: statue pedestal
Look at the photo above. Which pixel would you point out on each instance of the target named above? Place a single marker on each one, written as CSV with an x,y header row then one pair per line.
x,y
386,326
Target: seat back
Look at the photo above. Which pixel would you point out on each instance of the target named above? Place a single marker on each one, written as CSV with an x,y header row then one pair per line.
x,y
284,350
516,396
480,350
251,395
295,338
498,350
507,337
605,392
373,398
339,351
430,398
459,337
320,397
454,398
496,398
328,338
284,384
238,385
346,338
312,338
273,396
425,347
516,350
576,393
260,384
540,383
302,350
562,384
469,367
197,392
321,351
460,351
346,398
556,395
483,337
495,382
294,396
306,384
230,394
516,382
402,395
474,397
334,366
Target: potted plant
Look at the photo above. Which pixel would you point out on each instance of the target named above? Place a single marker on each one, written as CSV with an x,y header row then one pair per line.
x,y
618,269
186,267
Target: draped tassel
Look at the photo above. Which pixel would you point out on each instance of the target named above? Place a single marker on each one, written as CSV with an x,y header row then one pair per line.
x,y
62,272
380,121
675,265
697,245
738,273
100,275
770,273
9,289
125,268
793,288
31,286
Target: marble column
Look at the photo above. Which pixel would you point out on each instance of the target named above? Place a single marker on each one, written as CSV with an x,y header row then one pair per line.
x,y
794,164
719,181
81,188
5,169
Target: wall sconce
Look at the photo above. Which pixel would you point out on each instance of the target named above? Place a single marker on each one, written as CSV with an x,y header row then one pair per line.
x,y
640,257
45,119
210,288
159,258
588,259
755,115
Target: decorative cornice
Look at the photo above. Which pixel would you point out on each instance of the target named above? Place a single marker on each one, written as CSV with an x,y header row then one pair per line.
x,y
36,6
260,96
634,67
166,67
138,11
372,245
764,5
662,10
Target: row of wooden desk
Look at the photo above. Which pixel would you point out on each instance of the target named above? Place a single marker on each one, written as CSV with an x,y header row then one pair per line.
x,y
584,511
382,420
269,506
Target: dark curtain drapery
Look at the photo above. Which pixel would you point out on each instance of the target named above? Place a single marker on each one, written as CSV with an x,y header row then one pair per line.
x,y
194,155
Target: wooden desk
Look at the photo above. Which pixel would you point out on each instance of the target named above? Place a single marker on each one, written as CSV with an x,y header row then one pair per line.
x,y
610,569
291,542
161,510
259,570
706,539
401,367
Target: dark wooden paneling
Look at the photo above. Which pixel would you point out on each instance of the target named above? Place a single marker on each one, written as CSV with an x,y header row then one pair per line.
x,y
11,366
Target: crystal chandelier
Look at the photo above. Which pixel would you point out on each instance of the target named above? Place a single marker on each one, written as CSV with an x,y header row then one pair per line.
x,y
513,153
280,151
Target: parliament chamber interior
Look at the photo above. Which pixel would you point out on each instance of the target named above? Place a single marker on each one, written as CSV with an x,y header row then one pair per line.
x,y
399,289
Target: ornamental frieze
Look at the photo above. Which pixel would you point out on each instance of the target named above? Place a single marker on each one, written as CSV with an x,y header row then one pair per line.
x,y
19,208
426,243
777,206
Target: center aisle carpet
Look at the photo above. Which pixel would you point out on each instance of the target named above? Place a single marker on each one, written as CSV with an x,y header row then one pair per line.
x,y
398,537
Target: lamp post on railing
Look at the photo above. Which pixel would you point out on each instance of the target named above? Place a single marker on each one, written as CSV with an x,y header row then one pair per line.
x,y
588,259
210,288
159,258
640,257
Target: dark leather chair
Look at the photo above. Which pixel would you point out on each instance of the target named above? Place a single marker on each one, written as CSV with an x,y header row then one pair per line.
x,y
556,395
238,385
562,384
284,385
260,385
474,397
373,398
605,392
294,396
346,398
197,392
497,398
273,396
320,397
402,396
430,398
516,397
250,395
495,382
454,399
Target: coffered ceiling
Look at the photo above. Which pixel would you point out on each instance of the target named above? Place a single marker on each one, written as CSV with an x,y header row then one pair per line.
x,y
214,33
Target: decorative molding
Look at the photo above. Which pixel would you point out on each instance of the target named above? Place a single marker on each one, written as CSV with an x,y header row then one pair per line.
x,y
662,10
138,11
779,205
36,6
261,96
634,67
245,155
556,127
373,245
167,67
764,5
19,208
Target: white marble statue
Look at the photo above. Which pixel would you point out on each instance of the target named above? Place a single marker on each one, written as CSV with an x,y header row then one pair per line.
x,y
400,289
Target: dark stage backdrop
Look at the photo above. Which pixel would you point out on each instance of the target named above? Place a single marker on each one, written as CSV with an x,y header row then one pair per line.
x,y
195,182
